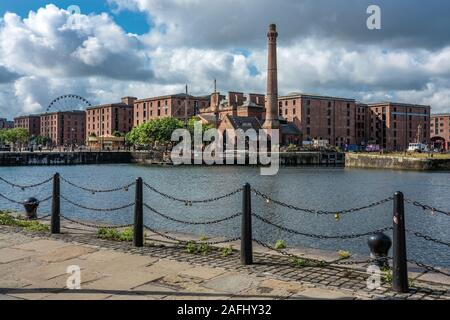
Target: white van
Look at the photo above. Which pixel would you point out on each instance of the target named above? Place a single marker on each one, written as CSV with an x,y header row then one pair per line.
x,y
418,147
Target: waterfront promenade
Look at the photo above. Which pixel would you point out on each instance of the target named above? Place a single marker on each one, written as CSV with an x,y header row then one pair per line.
x,y
33,266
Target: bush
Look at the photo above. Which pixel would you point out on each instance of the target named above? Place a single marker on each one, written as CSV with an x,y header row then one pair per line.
x,y
112,234
344,254
194,248
227,251
29,225
280,245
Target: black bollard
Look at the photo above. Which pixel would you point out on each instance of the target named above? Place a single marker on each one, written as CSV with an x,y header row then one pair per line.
x,y
56,208
31,205
246,228
400,268
379,245
138,235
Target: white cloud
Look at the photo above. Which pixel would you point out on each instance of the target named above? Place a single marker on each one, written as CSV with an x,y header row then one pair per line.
x,y
43,56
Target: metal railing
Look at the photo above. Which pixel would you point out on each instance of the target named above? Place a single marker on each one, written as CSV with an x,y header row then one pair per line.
x,y
399,258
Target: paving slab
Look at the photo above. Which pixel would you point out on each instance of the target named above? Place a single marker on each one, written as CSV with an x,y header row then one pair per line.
x,y
65,253
124,281
232,283
10,254
205,273
41,246
322,294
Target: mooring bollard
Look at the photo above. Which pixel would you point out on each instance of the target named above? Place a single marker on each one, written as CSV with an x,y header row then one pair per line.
x,y
138,235
56,207
379,245
31,205
400,268
246,228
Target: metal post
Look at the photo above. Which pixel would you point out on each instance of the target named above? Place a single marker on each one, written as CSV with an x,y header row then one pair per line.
x,y
400,269
246,229
56,207
138,235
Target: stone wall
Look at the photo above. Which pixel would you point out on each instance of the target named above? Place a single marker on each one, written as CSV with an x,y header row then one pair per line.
x,y
62,158
376,161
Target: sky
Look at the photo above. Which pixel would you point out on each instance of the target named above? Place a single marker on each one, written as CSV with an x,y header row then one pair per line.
x,y
115,48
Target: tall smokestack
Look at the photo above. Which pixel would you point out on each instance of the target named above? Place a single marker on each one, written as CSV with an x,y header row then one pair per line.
x,y
272,119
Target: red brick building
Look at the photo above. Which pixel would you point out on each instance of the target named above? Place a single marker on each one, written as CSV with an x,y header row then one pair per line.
x,y
235,104
440,131
180,106
64,128
394,126
321,117
6,124
107,119
30,122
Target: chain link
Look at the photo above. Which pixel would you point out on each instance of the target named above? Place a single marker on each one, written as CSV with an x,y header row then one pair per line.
x,y
428,268
320,212
190,202
38,218
22,203
428,238
123,188
97,209
95,226
314,262
23,187
317,236
187,241
426,207
194,223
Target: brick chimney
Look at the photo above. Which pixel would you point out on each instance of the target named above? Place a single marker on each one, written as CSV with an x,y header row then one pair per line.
x,y
272,119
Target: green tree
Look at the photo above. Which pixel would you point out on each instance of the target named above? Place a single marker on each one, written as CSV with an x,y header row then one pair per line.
x,y
16,136
157,131
42,140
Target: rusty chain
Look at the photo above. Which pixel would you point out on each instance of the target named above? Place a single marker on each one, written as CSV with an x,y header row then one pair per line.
x,y
314,262
187,241
97,209
428,268
191,202
428,238
23,187
23,203
317,236
320,212
194,223
93,191
95,226
427,207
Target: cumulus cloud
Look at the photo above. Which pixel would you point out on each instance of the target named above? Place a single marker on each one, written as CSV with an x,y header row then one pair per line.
x,y
405,23
324,48
52,43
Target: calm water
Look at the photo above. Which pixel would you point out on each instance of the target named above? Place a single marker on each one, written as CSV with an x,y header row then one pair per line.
x,y
324,189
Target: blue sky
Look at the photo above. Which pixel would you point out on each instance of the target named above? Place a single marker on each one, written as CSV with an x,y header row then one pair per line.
x,y
131,21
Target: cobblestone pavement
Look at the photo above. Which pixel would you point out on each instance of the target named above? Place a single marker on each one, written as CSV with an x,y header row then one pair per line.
x,y
34,265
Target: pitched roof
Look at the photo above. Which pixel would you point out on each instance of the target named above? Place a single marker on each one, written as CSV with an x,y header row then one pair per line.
x,y
244,123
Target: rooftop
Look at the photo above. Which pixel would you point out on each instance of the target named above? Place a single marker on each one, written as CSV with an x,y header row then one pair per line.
x,y
313,96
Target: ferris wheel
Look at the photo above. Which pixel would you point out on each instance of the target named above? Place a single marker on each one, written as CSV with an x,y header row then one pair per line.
x,y
68,102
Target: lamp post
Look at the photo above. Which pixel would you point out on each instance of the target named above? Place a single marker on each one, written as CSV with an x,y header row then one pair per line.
x,y
72,138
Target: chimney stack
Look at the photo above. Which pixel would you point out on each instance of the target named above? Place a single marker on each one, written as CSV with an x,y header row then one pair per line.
x,y
272,118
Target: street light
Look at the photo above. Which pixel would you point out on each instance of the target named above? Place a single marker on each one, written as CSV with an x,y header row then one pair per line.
x,y
72,138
